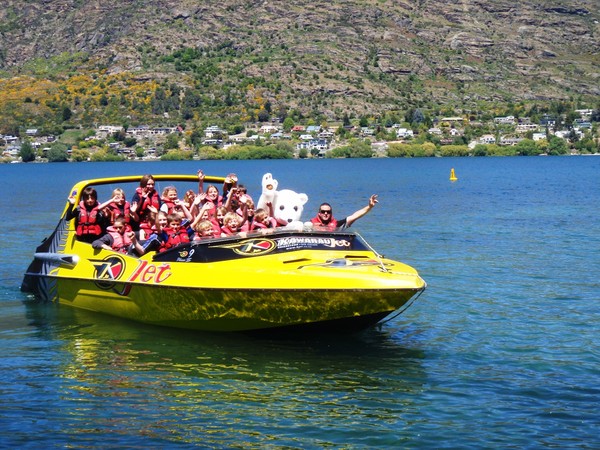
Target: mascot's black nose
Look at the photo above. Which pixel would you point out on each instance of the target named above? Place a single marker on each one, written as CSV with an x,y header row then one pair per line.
x,y
290,220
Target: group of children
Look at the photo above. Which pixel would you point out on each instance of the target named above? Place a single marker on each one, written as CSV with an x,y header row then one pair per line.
x,y
157,223
153,222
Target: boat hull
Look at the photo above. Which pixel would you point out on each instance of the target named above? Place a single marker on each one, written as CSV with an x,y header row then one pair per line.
x,y
284,280
233,309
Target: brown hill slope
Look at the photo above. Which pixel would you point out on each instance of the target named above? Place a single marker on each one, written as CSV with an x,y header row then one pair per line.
x,y
330,57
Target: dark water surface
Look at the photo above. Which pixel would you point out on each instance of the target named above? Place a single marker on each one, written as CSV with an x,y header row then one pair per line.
x,y
501,351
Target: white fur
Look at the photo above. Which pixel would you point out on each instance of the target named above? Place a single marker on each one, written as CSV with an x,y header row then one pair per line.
x,y
267,195
288,205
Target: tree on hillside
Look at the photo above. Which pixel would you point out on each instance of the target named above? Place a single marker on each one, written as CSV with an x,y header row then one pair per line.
x,y
79,155
58,153
527,147
346,120
66,114
172,141
557,146
26,153
288,124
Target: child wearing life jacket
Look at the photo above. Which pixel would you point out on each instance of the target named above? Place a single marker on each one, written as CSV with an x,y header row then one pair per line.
x,y
206,213
262,221
117,206
204,230
89,219
156,237
118,239
144,202
171,204
231,225
174,234
212,193
211,197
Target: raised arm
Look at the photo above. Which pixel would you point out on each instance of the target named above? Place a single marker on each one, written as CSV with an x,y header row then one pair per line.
x,y
106,203
200,182
361,212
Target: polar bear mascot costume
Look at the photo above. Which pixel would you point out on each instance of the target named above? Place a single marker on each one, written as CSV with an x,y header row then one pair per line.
x,y
287,205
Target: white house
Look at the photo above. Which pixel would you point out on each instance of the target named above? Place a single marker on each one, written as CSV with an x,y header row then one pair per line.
x,y
508,120
366,131
269,129
109,129
525,127
404,133
212,131
510,140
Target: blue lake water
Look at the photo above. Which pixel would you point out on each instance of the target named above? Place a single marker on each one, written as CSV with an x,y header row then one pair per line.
x,y
501,351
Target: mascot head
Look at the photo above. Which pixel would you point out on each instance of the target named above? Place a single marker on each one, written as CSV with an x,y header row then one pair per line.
x,y
288,206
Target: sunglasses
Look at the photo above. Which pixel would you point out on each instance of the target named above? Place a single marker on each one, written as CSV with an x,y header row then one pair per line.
x,y
325,211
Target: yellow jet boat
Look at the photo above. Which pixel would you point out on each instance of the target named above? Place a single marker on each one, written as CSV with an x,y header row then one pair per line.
x,y
289,280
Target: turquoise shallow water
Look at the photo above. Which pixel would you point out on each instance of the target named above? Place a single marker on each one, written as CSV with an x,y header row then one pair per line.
x,y
500,352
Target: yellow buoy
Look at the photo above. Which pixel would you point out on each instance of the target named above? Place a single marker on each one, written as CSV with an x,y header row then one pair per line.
x,y
452,175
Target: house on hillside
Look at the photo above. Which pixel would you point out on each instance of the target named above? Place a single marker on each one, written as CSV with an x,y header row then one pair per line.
x,y
507,120
315,144
525,127
585,113
213,132
269,129
505,140
404,133
582,124
366,131
547,121
487,139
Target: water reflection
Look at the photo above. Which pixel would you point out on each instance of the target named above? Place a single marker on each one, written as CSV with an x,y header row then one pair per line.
x,y
218,388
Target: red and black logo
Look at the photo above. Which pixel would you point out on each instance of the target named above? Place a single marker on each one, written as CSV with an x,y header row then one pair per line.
x,y
108,270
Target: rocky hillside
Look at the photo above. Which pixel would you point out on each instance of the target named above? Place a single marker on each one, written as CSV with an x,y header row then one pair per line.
x,y
324,58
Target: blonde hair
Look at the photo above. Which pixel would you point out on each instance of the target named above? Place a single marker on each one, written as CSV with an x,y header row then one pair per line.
x,y
166,190
203,225
118,191
260,214
229,217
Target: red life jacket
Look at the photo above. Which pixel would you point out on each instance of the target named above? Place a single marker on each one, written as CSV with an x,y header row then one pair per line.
x,y
216,204
216,227
228,231
170,205
87,222
332,225
272,223
150,200
147,228
121,242
174,238
115,210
